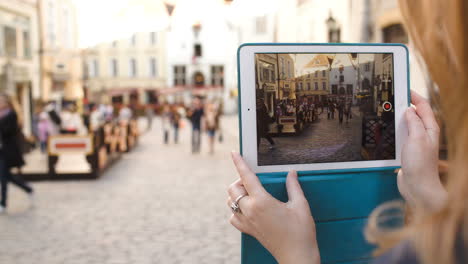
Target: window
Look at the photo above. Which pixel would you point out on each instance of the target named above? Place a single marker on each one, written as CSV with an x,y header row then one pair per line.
x,y
266,75
26,45
282,67
260,25
153,67
197,50
133,68
334,89
217,75
308,86
300,86
316,74
272,76
51,18
133,40
10,42
179,75
323,73
324,85
316,85
93,68
154,38
341,78
114,70
367,67
349,89
308,75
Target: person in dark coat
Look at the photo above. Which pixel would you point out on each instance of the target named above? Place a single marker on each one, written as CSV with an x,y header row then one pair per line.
x,y
10,153
263,123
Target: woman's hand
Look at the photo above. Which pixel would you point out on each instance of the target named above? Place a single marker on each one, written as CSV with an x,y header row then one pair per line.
x,y
287,230
418,181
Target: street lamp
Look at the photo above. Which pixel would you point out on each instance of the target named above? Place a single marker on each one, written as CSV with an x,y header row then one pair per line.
x,y
333,29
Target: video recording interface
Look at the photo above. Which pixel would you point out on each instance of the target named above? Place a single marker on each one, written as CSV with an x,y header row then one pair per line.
x,y
321,108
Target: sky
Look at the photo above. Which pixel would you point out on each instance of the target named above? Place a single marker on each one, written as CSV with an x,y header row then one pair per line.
x,y
107,20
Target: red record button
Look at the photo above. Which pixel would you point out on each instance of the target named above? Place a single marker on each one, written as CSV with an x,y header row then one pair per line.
x,y
387,106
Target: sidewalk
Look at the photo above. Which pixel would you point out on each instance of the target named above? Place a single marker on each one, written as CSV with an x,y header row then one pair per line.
x,y
158,204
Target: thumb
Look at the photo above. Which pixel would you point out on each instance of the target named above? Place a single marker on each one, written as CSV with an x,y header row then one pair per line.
x,y
293,187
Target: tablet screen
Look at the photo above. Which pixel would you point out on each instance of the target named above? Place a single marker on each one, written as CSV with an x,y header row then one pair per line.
x,y
321,108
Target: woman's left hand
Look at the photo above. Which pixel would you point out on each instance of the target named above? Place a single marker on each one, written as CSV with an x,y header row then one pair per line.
x,y
287,230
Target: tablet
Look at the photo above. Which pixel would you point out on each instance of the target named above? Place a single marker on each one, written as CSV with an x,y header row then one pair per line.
x,y
312,107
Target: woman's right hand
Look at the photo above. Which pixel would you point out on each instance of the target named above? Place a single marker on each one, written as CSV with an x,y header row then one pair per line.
x,y
418,181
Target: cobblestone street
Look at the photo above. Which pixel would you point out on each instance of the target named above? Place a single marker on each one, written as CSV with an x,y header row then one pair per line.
x,y
323,141
159,204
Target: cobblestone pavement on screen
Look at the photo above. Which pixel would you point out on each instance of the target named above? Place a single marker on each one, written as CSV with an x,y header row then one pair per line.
x,y
323,141
159,204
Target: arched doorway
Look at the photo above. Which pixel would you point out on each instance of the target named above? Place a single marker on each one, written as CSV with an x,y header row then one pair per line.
x,y
198,79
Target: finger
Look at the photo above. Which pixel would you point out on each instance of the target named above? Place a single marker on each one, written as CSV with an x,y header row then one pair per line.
x,y
249,179
239,222
236,190
416,127
424,111
293,187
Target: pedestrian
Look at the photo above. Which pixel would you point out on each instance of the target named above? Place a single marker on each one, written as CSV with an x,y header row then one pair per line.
x,y
196,115
96,118
125,114
10,153
340,108
263,124
44,130
210,125
166,122
175,118
149,111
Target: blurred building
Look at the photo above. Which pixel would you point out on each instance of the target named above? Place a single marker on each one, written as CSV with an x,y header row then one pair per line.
x,y
18,56
60,58
127,71
201,48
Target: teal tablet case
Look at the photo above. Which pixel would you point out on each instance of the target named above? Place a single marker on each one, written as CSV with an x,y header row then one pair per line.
x,y
340,200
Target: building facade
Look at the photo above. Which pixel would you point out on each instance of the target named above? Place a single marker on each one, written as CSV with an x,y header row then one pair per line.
x,y
313,81
126,71
19,63
343,75
60,57
201,60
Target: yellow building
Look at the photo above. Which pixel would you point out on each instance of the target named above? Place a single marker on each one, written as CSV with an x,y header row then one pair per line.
x,y
286,78
126,71
60,58
313,83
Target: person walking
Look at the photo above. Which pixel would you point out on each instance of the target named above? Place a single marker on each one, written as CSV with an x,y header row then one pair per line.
x,y
149,111
175,118
44,130
263,123
196,114
210,124
166,122
340,109
10,153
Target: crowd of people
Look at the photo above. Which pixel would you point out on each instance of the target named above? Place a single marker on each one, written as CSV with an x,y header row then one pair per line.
x,y
53,119
204,117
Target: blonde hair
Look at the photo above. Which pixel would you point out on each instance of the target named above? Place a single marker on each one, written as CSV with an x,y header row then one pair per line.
x,y
439,31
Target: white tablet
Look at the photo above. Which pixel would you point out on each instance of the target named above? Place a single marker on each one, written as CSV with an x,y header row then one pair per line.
x,y
314,107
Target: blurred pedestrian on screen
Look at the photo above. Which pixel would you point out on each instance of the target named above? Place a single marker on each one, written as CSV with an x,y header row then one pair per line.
x,y
196,115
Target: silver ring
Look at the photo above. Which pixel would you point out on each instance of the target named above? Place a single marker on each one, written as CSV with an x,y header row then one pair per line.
x,y
235,205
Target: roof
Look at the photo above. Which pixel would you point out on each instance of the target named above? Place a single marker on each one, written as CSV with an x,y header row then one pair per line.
x,y
317,61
